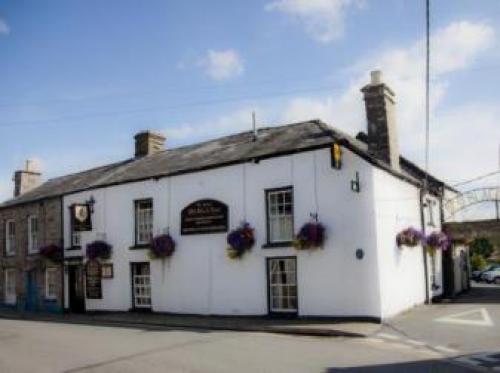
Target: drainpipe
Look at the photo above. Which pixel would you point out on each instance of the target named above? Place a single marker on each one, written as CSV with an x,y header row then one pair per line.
x,y
424,251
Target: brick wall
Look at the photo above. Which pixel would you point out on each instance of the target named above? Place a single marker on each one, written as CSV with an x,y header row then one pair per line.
x,y
49,232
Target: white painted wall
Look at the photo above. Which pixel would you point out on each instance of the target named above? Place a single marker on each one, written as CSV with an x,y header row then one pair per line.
x,y
200,279
401,269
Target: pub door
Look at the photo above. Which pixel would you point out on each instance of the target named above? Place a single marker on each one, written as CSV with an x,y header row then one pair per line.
x,y
141,286
75,289
31,291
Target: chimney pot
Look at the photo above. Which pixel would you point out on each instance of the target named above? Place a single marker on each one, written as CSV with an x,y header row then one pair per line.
x,y
376,77
26,179
148,142
382,136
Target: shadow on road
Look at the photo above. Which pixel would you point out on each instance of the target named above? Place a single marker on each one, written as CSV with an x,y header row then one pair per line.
x,y
479,293
441,366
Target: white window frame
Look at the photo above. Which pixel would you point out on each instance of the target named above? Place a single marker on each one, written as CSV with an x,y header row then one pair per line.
x,y
10,278
141,285
33,236
283,297
430,212
76,238
10,238
143,221
280,221
51,288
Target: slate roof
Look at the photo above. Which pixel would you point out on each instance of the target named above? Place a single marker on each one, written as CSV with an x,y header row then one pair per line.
x,y
232,149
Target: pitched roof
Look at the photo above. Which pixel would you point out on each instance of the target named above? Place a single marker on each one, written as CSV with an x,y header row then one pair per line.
x,y
61,185
232,149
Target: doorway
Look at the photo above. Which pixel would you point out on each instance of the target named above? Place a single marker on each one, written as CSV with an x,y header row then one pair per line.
x,y
75,289
31,291
282,285
141,286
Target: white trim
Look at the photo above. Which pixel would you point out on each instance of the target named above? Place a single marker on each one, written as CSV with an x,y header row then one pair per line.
x,y
10,243
10,277
33,241
47,286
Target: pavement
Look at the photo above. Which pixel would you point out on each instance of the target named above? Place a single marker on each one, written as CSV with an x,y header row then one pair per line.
x,y
457,335
43,347
307,327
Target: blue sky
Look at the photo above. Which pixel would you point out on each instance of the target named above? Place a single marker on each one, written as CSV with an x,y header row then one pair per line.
x,y
79,78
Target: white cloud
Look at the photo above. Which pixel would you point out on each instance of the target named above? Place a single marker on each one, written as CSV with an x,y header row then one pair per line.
x,y
464,138
4,27
222,65
453,154
324,20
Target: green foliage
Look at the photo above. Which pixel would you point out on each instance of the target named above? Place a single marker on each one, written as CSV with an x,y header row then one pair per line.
x,y
477,262
482,247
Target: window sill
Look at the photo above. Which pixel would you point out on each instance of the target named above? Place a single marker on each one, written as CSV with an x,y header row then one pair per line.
x,y
10,255
273,245
74,248
140,247
50,300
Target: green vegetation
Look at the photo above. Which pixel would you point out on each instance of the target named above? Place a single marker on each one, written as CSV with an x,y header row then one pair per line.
x,y
481,246
477,262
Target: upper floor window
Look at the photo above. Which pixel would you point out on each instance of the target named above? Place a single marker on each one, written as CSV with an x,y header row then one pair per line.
x,y
51,283
10,286
76,239
280,215
143,221
430,212
32,234
10,237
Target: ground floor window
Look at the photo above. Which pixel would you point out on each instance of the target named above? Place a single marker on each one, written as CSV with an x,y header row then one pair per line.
x,y
282,274
51,283
10,286
141,285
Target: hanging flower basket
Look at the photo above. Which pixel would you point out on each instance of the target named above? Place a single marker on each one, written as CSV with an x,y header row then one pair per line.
x,y
99,250
51,252
162,246
311,236
410,237
240,240
437,241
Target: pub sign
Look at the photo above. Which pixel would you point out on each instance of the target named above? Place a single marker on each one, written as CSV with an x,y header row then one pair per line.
x,y
81,218
93,283
204,216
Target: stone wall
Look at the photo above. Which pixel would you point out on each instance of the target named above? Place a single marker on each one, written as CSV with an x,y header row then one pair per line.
x,y
468,231
49,232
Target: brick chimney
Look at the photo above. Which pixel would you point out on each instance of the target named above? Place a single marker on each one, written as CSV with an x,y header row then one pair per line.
x,y
27,179
147,143
380,114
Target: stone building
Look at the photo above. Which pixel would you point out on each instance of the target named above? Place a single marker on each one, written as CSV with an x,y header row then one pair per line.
x,y
28,222
278,179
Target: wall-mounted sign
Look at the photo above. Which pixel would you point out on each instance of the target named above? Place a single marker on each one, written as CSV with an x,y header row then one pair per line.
x,y
107,270
204,216
81,218
93,284
336,156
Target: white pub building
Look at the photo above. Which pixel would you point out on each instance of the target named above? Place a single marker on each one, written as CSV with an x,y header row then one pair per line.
x,y
277,179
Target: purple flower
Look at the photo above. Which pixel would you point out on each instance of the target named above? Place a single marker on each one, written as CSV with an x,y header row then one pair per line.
x,y
409,237
99,249
162,246
437,241
52,252
311,235
241,239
